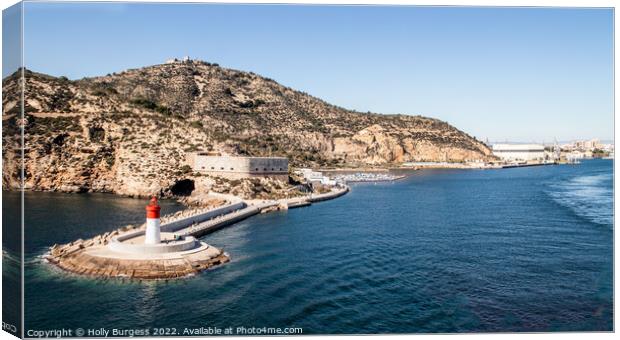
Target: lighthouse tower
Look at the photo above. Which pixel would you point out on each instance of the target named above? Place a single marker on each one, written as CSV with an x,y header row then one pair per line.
x,y
152,235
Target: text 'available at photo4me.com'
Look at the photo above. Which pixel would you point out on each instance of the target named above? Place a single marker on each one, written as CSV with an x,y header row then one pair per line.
x,y
164,331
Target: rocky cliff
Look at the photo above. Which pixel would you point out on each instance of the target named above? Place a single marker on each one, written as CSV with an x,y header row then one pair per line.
x,y
128,132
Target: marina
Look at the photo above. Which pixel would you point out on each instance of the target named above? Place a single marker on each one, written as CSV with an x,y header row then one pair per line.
x,y
367,177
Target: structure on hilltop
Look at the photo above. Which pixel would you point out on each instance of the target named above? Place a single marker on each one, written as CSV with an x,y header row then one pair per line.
x,y
185,59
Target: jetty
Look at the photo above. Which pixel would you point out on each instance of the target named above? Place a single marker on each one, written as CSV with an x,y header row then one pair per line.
x,y
525,165
367,177
124,253
199,225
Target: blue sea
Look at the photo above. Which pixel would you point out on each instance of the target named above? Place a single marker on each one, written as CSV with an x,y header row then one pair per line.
x,y
442,251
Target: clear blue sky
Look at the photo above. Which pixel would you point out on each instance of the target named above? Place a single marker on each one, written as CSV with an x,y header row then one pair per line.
x,y
515,74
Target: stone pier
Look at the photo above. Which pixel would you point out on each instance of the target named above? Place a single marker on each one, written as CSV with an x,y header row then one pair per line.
x,y
123,253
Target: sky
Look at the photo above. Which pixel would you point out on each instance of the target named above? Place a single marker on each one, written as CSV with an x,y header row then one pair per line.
x,y
503,74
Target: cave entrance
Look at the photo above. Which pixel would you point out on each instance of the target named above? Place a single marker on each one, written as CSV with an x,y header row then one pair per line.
x,y
97,134
183,187
60,139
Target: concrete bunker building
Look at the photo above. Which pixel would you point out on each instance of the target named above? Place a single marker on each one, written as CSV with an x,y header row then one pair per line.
x,y
237,167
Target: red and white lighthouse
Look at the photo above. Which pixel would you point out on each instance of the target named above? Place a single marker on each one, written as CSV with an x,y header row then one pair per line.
x,y
152,235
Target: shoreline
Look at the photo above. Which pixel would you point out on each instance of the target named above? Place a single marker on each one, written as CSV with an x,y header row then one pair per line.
x,y
385,169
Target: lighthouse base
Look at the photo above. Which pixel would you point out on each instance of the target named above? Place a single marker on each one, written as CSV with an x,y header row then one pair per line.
x,y
102,262
128,256
170,243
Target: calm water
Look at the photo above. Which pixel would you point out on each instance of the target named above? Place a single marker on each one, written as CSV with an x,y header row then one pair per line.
x,y
526,249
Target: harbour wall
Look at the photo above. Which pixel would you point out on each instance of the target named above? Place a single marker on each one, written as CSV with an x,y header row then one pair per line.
x,y
172,259
329,195
187,221
215,223
212,220
212,225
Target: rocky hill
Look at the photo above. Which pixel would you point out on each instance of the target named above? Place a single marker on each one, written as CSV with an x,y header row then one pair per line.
x,y
129,132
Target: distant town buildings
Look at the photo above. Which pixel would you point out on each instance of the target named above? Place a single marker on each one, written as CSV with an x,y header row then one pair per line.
x,y
519,152
235,167
538,152
587,149
587,145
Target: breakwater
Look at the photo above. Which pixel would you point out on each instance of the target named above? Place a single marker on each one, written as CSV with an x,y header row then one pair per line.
x,y
525,165
235,212
219,221
115,254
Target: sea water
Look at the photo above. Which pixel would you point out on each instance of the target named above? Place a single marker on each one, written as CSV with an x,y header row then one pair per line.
x,y
525,249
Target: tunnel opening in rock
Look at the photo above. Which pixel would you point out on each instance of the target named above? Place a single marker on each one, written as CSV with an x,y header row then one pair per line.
x,y
183,187
97,134
60,139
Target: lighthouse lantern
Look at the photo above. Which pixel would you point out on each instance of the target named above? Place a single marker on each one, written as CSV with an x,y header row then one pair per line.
x,y
152,235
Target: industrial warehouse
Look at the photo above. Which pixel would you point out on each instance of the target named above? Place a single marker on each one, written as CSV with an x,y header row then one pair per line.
x,y
519,152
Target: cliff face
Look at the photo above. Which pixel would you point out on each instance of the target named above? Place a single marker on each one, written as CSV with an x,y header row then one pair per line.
x,y
129,132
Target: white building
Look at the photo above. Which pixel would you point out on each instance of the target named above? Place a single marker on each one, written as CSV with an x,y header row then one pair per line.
x,y
519,152
316,177
311,175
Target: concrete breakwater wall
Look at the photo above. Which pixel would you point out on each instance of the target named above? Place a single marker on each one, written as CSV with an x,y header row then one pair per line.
x,y
114,255
298,204
185,222
329,195
214,224
220,222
